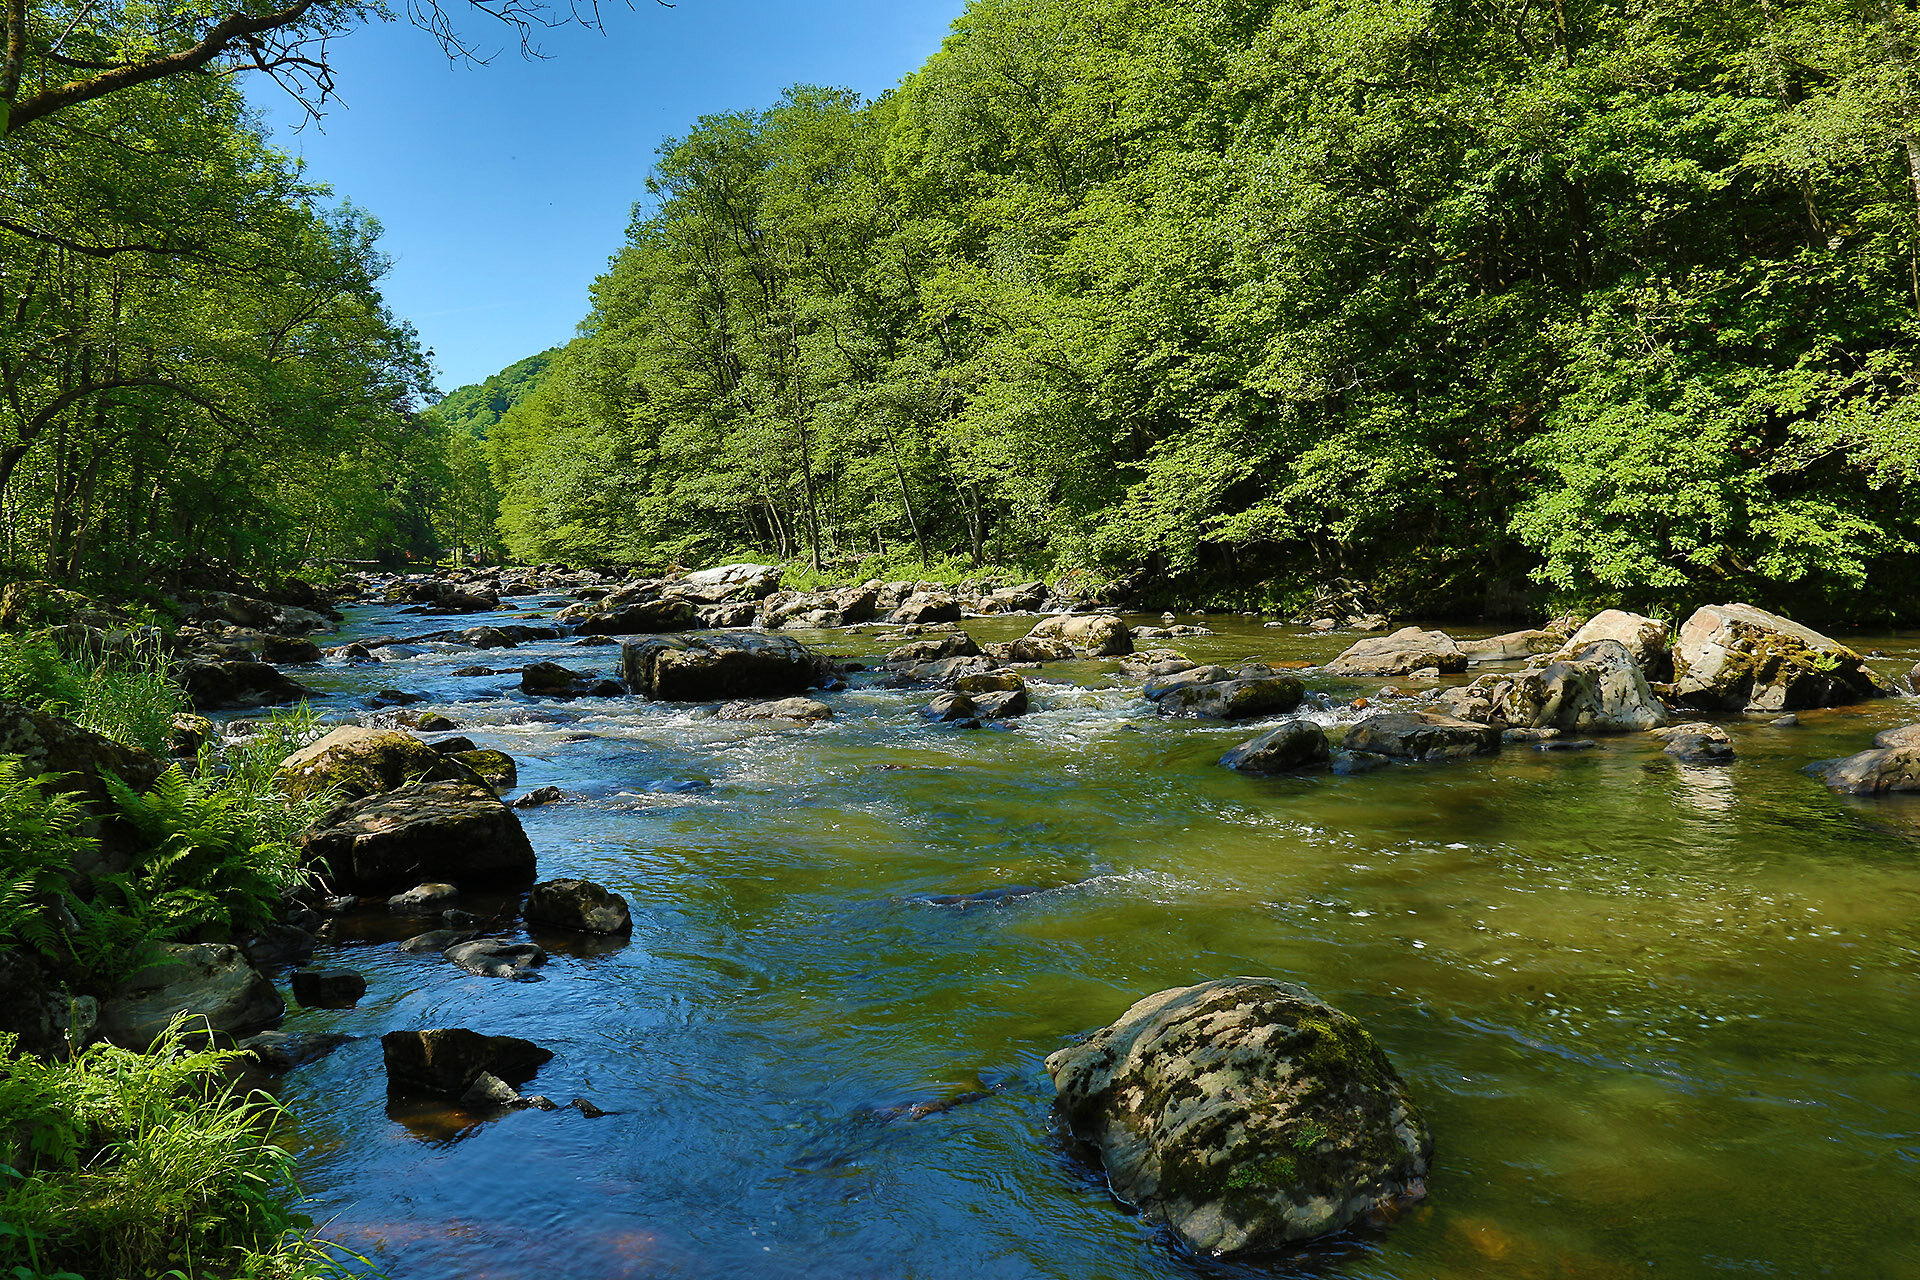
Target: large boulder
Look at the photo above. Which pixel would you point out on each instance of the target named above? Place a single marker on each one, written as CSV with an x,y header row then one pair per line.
x,y
1645,638
1421,735
447,1062
1402,653
1025,598
1244,1114
1871,773
579,905
1090,635
1233,699
78,759
926,606
1597,688
632,617
356,762
1294,744
203,980
730,582
842,607
221,685
1734,657
717,668
458,832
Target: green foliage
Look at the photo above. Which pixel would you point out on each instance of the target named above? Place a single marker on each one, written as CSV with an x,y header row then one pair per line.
x,y
476,407
131,1165
39,840
205,871
125,692
1619,300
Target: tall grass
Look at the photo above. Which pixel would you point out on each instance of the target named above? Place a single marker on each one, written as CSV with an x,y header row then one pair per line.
x,y
125,692
122,1165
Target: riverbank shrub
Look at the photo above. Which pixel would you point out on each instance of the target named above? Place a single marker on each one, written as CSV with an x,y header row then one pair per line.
x,y
125,693
121,1165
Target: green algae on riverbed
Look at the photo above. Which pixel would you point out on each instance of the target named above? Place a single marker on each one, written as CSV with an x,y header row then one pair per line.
x,y
1662,1017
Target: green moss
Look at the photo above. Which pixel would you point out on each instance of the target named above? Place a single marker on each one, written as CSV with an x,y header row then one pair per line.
x,y
1272,1173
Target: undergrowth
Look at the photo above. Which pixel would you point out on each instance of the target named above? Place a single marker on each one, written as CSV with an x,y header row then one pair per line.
x,y
124,692
117,1165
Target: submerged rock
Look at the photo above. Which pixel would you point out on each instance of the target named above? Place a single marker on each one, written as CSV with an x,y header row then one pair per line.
x,y
580,905
458,832
1734,657
1244,1114
496,958
1294,744
204,980
805,710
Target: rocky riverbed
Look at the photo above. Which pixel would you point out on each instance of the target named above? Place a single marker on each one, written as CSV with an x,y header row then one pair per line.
x,y
1632,991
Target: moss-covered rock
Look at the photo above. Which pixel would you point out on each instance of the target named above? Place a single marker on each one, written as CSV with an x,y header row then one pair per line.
x,y
358,762
496,768
1244,1113
1734,657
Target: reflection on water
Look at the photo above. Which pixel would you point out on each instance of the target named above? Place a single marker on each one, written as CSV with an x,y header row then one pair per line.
x,y
1663,1016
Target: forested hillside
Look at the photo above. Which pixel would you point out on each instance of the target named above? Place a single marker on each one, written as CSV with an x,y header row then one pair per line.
x,y
1459,298
196,365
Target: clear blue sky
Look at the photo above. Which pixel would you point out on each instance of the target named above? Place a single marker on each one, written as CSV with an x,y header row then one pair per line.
x,y
504,188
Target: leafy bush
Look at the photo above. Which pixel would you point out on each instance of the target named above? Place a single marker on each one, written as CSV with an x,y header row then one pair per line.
x,y
126,693
131,1165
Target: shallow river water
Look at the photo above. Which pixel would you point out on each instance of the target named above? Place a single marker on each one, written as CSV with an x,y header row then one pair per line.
x,y
1664,1019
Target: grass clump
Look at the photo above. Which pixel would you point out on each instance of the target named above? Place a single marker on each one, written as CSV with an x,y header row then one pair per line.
x,y
124,691
124,1166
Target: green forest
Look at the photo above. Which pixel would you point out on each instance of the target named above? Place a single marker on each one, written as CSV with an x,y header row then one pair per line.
x,y
1463,300
1485,305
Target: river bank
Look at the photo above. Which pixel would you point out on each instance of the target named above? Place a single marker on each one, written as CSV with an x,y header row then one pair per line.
x,y
1637,996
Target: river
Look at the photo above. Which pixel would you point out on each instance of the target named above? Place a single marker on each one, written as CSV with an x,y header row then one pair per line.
x,y
1664,1018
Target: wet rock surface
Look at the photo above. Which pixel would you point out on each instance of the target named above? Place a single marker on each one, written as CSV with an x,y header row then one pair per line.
x,y
452,831
1244,1114
717,668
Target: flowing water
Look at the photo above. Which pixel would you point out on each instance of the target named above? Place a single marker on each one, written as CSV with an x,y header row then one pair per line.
x,y
1663,1018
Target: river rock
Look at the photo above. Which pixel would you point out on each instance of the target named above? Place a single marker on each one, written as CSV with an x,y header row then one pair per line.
x,y
717,668
434,941
496,958
1153,663
1004,704
1294,744
1511,646
1734,657
327,988
924,607
1421,735
539,796
551,680
1025,598
1697,742
495,768
1906,735
580,905
424,899
454,831
1598,688
215,686
805,710
1187,677
356,762
845,607
634,617
1244,1114
1402,653
1089,635
446,1061
1870,773
1233,699
949,708
203,980
957,644
1645,638
289,651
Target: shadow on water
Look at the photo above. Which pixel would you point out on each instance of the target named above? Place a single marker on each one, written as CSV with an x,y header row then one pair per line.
x,y
1662,1017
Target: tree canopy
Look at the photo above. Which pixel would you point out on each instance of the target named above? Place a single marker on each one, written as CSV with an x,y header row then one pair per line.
x,y
1463,298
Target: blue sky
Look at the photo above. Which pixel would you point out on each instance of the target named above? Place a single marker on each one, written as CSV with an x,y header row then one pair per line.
x,y
504,188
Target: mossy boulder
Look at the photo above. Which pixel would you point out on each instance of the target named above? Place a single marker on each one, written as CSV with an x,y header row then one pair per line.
x,y
1734,657
358,762
495,768
1596,688
1244,1114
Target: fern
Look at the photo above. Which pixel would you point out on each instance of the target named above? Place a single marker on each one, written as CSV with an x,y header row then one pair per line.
x,y
39,839
206,867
